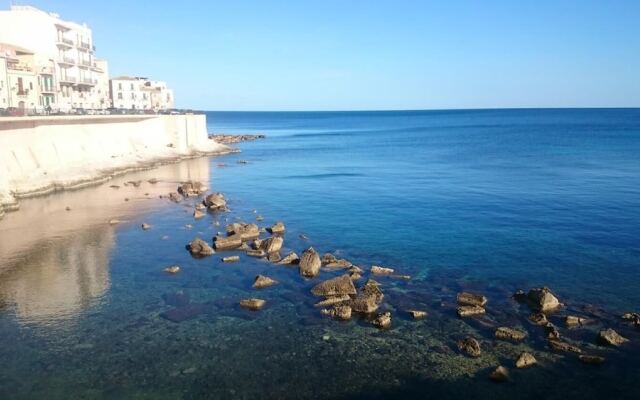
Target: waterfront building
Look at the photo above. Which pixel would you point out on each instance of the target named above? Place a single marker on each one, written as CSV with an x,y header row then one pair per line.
x,y
65,50
140,93
26,83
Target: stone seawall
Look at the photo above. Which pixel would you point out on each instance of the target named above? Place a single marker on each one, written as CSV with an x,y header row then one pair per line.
x,y
39,155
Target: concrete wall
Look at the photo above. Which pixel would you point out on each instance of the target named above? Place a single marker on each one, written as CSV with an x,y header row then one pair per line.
x,y
42,154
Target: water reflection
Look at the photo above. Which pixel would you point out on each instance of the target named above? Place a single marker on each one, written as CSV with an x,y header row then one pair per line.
x,y
55,251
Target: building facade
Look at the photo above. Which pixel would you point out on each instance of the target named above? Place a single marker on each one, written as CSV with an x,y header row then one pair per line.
x,y
65,51
140,93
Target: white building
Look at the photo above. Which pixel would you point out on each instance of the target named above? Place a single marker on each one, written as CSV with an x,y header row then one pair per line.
x,y
64,47
140,93
25,83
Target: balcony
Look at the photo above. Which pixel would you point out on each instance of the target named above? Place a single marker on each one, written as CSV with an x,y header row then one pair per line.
x,y
67,80
64,42
84,45
87,81
95,68
85,63
47,89
66,60
19,67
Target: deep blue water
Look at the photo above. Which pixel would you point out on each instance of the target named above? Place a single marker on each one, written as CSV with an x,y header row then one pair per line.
x,y
490,201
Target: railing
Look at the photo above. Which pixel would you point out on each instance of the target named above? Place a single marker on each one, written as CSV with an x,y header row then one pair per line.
x,y
88,81
65,41
47,89
85,63
68,79
66,60
85,45
19,67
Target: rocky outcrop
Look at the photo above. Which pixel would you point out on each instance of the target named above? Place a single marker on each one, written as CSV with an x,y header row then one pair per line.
x,y
246,231
505,333
470,346
277,228
471,299
611,338
189,189
199,247
525,360
339,286
228,242
253,304
263,282
310,263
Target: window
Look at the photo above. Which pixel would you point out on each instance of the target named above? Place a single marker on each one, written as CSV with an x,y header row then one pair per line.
x,y
30,85
20,87
120,86
132,86
119,96
133,96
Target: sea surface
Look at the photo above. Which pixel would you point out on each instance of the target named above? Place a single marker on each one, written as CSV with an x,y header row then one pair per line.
x,y
489,201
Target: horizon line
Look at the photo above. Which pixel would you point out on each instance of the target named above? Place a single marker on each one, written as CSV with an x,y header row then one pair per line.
x,y
435,109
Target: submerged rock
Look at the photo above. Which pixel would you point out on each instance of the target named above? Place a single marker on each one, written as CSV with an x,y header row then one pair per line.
x,y
376,270
470,346
175,197
470,311
177,299
291,258
382,321
230,259
227,243
339,286
252,304
199,247
500,374
184,313
342,312
310,263
277,228
611,338
173,269
263,282
525,360
558,345
417,314
471,299
589,359
505,333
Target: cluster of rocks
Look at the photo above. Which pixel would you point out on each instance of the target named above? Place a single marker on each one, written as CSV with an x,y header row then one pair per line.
x,y
542,302
231,139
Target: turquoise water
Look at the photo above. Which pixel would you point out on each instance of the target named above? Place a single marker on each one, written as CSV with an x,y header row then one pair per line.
x,y
490,201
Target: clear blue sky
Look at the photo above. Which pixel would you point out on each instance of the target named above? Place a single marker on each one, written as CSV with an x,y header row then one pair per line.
x,y
344,55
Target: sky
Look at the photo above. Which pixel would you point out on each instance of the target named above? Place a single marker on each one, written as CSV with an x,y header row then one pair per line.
x,y
372,55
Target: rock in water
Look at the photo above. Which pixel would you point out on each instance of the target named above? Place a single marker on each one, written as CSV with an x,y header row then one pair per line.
x,y
382,321
470,346
558,345
470,311
263,282
199,247
525,360
611,337
291,258
231,259
376,270
364,304
333,300
338,312
272,245
246,231
227,243
146,227
593,360
197,214
256,253
471,299
328,258
215,201
175,197
417,314
504,333
541,299
538,319
190,188
174,269
310,263
277,228
252,304
572,320
342,285
274,257
372,289
500,374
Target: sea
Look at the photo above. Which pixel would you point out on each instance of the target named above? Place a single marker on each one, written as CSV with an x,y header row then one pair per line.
x,y
484,201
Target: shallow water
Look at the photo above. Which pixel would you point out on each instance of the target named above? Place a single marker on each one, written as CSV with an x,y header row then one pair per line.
x,y
490,201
